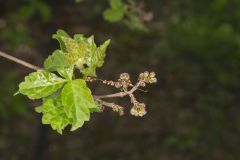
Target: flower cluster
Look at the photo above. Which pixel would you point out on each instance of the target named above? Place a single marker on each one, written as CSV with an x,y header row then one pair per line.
x,y
147,77
119,109
138,109
123,81
127,88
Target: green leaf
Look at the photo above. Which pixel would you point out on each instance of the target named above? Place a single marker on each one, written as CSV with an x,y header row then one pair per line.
x,y
23,13
60,36
78,37
40,84
53,96
79,51
44,11
77,100
95,59
96,108
55,61
58,62
116,4
116,12
53,114
134,23
76,51
113,15
66,72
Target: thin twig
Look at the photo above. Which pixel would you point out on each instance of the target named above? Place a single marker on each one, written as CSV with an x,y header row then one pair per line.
x,y
119,94
19,61
107,104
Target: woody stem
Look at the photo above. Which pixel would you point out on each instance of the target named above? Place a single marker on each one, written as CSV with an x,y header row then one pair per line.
x,y
19,61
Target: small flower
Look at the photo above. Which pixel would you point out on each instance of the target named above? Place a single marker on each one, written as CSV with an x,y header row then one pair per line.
x,y
142,83
153,80
138,109
102,108
146,74
152,74
148,77
124,80
124,76
118,85
90,79
119,109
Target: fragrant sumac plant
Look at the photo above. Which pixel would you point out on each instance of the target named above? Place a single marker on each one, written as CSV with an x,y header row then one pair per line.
x,y
66,99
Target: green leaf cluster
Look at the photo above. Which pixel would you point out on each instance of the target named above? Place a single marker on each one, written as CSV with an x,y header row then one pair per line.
x,y
81,52
66,100
127,13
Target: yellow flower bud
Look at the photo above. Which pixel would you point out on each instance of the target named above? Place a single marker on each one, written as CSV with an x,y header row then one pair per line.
x,y
152,74
146,74
138,110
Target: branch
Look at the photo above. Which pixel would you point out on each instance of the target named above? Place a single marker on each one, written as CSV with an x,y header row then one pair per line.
x,y
28,65
107,104
119,94
113,106
19,61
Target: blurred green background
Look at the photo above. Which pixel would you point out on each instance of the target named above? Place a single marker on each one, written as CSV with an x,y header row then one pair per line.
x,y
193,110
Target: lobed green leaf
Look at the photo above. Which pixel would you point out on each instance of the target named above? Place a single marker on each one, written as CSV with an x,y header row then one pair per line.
x,y
77,101
116,12
95,59
76,52
40,84
53,114
55,61
116,4
60,36
113,15
66,72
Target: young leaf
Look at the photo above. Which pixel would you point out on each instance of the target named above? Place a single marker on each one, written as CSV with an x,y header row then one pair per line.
x,y
78,37
66,72
55,61
53,114
40,84
134,23
44,11
77,100
116,4
116,12
113,15
58,62
95,59
60,36
76,52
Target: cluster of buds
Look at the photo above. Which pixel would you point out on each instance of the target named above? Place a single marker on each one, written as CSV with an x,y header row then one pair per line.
x,y
138,109
90,79
123,81
147,77
119,109
112,83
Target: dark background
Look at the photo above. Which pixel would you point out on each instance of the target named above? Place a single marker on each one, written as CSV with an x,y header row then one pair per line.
x,y
193,110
